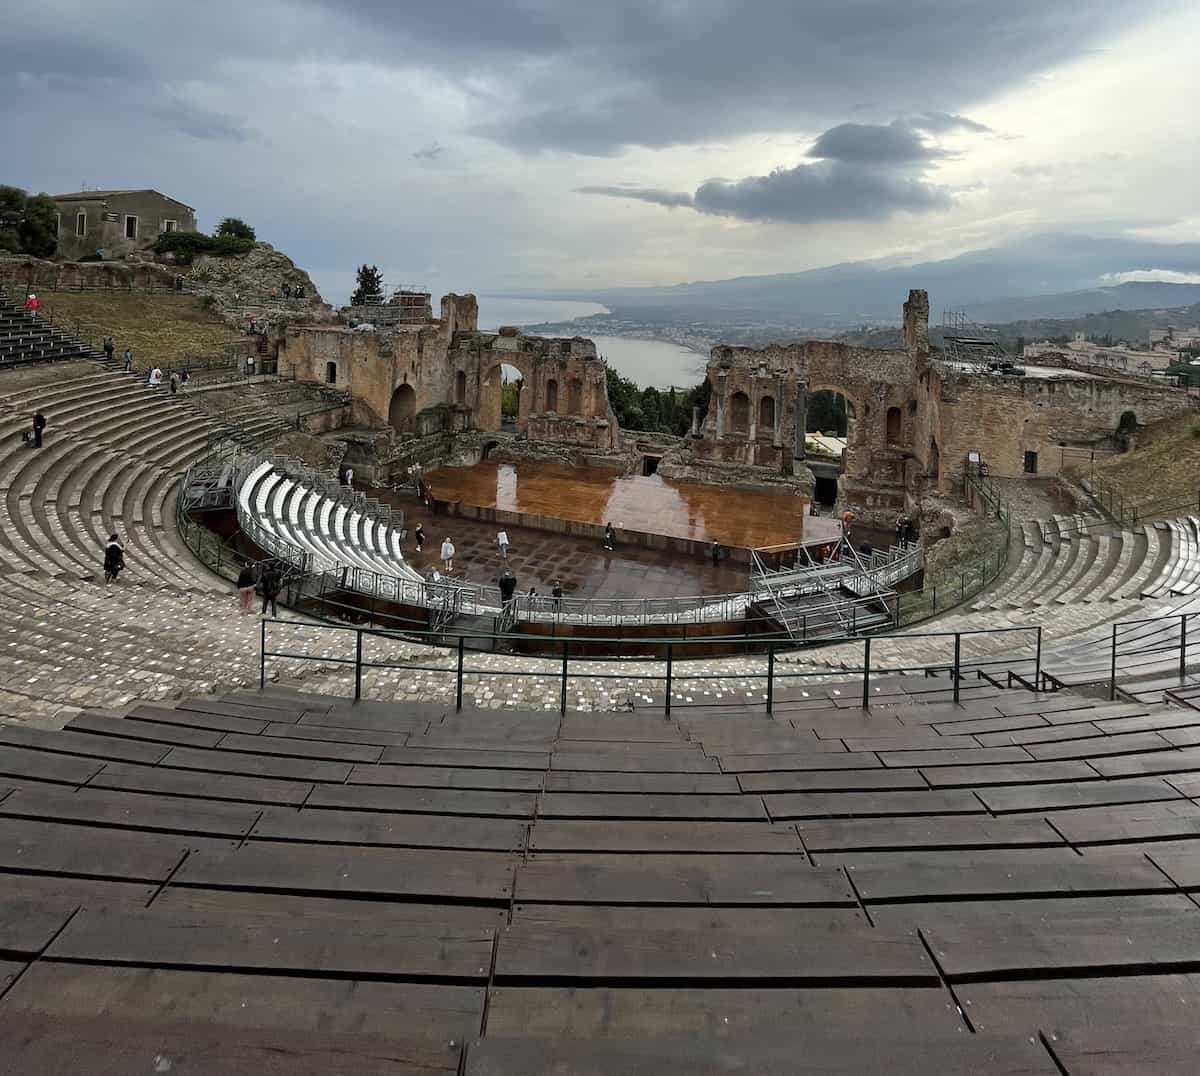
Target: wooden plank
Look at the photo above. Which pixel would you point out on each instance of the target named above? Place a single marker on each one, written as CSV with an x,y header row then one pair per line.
x,y
91,892
226,708
869,834
1047,734
1181,865
832,781
192,938
1032,773
908,1053
425,800
448,777
193,719
298,748
221,762
622,762
682,784
976,725
9,971
1174,761
814,760
1055,797
870,804
124,810
1147,944
1047,704
27,927
88,851
761,919
1011,873
46,766
480,876
315,825
103,725
238,904
854,957
1127,744
600,805
679,879
618,1012
1135,822
274,697
392,722
81,743
601,727
213,786
610,836
329,734
1037,910
212,998
1159,719
978,756
447,756
912,741
53,1047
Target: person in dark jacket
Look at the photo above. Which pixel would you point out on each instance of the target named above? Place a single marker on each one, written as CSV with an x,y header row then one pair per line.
x,y
39,424
508,587
272,584
114,559
109,348
245,588
419,536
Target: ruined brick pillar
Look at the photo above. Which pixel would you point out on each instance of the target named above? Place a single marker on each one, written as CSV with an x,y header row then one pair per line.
x,y
721,386
916,321
801,419
695,421
777,433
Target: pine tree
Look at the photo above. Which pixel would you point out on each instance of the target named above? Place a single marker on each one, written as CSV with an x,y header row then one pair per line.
x,y
370,286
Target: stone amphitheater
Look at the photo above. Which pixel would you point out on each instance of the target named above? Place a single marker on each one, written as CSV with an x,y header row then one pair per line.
x,y
903,873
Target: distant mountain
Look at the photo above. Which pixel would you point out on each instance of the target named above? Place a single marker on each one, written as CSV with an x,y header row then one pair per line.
x,y
1066,271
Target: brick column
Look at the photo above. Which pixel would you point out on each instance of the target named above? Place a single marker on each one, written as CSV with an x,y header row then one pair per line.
x,y
801,418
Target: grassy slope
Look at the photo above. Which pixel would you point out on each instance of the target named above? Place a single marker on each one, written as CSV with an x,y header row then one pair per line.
x,y
166,329
1163,473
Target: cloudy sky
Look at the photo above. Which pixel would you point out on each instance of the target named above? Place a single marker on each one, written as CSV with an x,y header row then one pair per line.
x,y
495,144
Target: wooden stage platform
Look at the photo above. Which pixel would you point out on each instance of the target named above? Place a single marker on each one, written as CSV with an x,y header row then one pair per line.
x,y
287,883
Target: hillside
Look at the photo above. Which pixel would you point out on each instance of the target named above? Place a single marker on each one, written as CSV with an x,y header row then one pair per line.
x,y
171,329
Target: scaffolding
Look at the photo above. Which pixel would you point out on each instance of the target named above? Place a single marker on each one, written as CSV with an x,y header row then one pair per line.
x,y
963,340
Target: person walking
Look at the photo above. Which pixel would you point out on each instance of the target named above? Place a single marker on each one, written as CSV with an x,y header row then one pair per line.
x,y
39,424
419,536
128,357
245,588
109,348
32,304
502,542
448,555
272,584
716,552
184,378
610,537
556,593
155,378
114,559
899,529
174,383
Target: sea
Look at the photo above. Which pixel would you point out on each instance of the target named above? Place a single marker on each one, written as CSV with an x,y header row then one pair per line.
x,y
646,362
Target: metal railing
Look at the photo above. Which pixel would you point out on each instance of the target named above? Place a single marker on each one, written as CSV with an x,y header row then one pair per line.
x,y
1153,646
1025,669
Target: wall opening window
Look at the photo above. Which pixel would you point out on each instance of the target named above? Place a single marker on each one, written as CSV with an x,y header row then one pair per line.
x,y
81,224
460,388
170,225
739,412
1031,463
766,413
58,224
551,395
894,426
130,227
331,373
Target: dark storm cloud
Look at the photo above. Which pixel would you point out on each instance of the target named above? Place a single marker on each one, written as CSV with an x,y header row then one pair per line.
x,y
196,122
653,195
868,143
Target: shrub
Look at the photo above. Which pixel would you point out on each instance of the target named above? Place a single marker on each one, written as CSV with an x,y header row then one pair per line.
x,y
186,245
234,229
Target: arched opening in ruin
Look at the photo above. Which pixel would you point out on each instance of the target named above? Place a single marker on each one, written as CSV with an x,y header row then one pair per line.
x,y
829,413
551,395
402,414
766,414
488,448
460,388
331,373
512,383
935,459
894,426
739,413
575,396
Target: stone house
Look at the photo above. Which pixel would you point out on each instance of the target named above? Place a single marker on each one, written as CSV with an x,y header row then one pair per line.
x,y
117,222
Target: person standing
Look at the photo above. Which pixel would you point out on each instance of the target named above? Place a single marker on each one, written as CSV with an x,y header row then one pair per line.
x,y
502,542
114,559
109,348
448,555
272,584
508,587
128,357
174,383
245,588
32,304
556,593
899,529
610,537
716,553
350,476
419,535
39,424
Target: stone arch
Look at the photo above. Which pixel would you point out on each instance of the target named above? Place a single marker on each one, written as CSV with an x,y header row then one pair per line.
x,y
551,395
402,414
894,426
766,414
739,413
460,388
574,396
489,407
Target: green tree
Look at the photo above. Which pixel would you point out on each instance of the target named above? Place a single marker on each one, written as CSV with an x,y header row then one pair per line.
x,y
38,230
510,399
235,228
370,286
